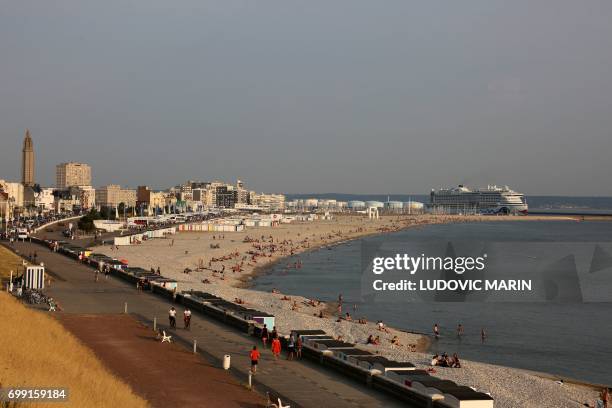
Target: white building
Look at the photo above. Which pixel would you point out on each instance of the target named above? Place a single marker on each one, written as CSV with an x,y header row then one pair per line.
x,y
45,199
269,201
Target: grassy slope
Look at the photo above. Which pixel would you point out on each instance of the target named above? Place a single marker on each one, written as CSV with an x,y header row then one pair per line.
x,y
36,351
8,261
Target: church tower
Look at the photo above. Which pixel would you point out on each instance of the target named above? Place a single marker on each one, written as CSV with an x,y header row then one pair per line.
x,y
27,161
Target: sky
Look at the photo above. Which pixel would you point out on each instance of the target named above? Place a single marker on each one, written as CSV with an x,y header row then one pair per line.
x,y
347,96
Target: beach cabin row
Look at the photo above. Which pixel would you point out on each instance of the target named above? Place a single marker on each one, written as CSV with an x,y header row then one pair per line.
x,y
210,227
400,378
143,236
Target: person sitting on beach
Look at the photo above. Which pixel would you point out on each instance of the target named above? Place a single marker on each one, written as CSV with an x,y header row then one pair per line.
x,y
455,363
321,316
285,297
274,290
362,321
412,348
370,339
396,342
435,360
348,317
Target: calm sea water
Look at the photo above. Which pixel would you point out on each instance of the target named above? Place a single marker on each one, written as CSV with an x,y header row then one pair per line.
x,y
572,340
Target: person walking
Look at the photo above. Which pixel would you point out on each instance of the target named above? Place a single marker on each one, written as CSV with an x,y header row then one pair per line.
x,y
298,345
187,318
276,347
483,335
291,347
436,331
172,317
264,335
254,359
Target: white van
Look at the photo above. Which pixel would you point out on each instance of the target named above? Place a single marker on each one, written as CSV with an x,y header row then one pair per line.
x,y
22,233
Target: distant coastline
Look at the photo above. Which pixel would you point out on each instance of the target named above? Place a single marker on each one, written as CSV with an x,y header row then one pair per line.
x,y
563,203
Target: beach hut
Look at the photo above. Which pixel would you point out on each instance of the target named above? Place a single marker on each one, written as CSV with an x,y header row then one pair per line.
x,y
429,384
310,333
366,362
167,283
389,365
34,277
465,397
406,377
344,354
329,344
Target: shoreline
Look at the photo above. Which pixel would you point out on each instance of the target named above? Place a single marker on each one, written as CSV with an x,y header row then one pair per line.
x,y
506,384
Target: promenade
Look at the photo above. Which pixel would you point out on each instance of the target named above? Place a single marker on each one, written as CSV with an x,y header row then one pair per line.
x,y
301,382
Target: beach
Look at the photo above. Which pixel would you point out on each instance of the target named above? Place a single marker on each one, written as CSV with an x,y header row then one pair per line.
x,y
224,263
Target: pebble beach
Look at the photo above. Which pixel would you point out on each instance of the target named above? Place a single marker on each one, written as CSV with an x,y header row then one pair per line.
x,y
224,263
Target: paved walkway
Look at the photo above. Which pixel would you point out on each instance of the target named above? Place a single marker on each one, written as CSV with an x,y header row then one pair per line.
x,y
304,383
154,370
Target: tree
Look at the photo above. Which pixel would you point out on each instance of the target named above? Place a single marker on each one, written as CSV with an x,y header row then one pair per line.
x,y
86,222
107,213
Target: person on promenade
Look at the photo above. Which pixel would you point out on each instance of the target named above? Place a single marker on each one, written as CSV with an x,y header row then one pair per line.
x,y
291,347
276,347
274,333
436,331
172,317
298,346
187,318
254,359
264,336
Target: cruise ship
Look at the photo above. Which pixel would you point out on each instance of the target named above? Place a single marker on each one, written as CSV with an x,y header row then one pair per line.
x,y
490,200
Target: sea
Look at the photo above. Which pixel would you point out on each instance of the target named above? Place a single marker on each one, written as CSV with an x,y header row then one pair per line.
x,y
567,338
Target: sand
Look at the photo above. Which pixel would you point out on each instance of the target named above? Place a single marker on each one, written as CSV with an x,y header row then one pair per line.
x,y
227,270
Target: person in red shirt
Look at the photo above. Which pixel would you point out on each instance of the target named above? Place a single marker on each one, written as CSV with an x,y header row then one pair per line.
x,y
276,347
254,359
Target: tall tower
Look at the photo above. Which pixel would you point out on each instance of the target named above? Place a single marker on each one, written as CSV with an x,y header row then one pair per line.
x,y
27,161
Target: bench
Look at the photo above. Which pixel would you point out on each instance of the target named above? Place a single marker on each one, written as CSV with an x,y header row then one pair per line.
x,y
274,401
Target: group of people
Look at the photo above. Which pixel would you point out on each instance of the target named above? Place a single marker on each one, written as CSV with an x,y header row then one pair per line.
x,y
294,346
460,332
444,360
186,318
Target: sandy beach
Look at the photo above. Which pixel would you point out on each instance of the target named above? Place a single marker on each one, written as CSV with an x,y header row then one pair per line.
x,y
224,263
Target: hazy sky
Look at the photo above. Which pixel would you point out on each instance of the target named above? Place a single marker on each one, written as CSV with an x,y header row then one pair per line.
x,y
313,96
